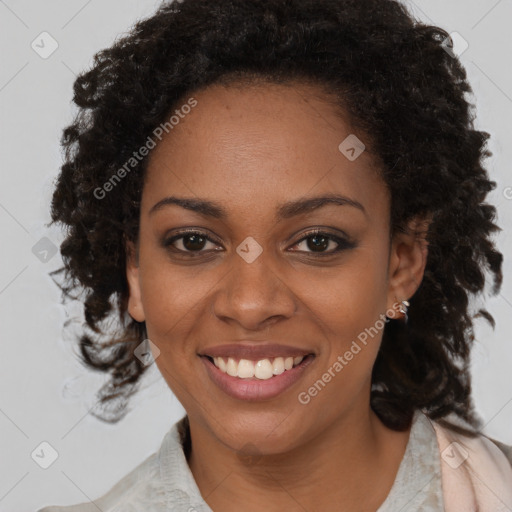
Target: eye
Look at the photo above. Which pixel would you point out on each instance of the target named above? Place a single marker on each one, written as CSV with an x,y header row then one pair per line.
x,y
188,242
318,241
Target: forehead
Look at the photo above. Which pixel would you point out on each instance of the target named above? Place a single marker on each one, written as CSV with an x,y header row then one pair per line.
x,y
257,145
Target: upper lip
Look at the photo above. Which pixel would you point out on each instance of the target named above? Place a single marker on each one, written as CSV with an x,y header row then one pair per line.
x,y
255,352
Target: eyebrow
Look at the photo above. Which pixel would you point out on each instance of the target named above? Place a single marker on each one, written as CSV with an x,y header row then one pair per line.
x,y
284,211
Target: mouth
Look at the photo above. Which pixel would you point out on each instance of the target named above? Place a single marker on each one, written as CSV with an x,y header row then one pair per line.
x,y
258,380
261,369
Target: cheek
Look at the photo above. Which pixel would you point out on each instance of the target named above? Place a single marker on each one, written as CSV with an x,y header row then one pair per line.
x,y
168,291
168,296
172,303
348,307
351,296
350,324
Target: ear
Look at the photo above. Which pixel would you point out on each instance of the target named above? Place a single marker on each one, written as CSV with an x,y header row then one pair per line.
x,y
408,258
135,308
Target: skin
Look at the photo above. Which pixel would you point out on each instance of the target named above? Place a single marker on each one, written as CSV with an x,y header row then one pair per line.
x,y
250,149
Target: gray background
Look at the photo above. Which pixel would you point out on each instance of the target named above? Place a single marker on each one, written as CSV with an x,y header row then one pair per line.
x,y
45,392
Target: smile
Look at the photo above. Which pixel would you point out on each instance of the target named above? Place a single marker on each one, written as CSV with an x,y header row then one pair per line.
x,y
251,380
262,369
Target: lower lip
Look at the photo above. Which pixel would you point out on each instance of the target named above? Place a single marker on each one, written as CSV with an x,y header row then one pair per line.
x,y
256,389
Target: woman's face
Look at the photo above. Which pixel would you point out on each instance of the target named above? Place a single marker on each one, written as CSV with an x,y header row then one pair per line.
x,y
253,283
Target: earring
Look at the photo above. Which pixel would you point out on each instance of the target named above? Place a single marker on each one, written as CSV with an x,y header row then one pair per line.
x,y
404,305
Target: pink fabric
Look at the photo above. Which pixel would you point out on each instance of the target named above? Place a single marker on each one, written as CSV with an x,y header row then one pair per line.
x,y
476,475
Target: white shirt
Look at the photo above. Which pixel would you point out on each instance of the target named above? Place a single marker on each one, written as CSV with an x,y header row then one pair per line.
x,y
163,482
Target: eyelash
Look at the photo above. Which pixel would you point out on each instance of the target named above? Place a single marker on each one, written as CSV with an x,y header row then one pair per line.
x,y
342,242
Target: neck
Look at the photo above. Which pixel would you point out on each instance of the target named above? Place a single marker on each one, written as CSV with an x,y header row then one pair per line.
x,y
354,461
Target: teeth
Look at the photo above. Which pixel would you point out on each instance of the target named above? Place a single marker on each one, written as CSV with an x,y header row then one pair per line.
x,y
232,367
245,369
221,364
278,365
263,369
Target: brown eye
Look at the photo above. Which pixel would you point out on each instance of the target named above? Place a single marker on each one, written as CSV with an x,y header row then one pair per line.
x,y
194,242
191,241
319,241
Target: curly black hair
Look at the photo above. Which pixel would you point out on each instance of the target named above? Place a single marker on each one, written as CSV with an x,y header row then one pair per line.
x,y
399,84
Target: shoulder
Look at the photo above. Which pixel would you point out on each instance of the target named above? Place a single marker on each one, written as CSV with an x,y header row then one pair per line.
x,y
161,482
475,468
504,448
484,447
138,483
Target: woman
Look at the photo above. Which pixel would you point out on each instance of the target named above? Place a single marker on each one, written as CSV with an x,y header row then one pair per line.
x,y
284,200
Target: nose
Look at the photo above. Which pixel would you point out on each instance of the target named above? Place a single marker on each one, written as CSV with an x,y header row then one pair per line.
x,y
253,294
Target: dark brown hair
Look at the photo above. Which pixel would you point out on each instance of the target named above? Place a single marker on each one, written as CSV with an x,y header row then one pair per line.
x,y
399,85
